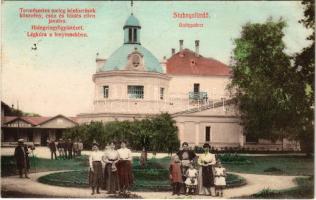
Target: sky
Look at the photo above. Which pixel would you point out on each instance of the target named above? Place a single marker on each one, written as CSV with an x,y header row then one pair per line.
x,y
57,77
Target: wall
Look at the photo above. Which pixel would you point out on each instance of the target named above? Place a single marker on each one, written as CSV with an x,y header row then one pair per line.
x,y
215,86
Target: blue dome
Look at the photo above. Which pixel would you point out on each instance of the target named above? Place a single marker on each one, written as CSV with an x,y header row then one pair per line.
x,y
132,21
118,60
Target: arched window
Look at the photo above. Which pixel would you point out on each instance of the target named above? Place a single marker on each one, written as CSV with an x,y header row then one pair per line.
x,y
130,31
135,35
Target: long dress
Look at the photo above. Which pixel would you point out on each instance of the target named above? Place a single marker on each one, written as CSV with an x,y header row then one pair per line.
x,y
175,172
112,180
206,178
95,176
124,168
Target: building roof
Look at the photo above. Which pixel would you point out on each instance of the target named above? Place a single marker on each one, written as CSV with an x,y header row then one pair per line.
x,y
132,21
35,121
186,62
118,60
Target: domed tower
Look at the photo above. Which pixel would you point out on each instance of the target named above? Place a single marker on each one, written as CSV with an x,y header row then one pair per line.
x,y
131,80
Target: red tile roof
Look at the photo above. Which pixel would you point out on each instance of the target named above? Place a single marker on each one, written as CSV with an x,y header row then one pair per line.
x,y
34,120
186,62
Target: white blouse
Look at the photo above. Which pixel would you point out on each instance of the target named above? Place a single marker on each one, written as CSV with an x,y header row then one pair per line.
x,y
125,154
111,155
207,159
95,156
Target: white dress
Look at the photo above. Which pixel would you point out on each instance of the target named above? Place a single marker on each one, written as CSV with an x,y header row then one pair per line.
x,y
219,176
191,177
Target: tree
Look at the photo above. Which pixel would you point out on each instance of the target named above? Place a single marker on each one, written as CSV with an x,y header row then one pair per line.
x,y
260,69
157,133
268,89
305,67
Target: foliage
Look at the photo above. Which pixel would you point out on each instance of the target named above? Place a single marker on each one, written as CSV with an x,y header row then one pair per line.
x,y
273,169
267,87
158,133
304,63
259,71
233,159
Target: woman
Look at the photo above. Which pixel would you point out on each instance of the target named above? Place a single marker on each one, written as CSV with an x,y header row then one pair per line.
x,y
207,161
111,158
124,167
95,175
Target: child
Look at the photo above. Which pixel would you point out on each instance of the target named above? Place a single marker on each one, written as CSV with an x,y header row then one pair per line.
x,y
175,175
191,180
220,176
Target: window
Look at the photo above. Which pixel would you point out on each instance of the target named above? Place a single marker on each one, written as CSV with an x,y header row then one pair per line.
x,y
207,134
106,91
162,91
196,87
135,35
130,31
135,91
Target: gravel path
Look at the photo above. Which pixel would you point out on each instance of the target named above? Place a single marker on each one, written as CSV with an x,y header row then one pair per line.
x,y
255,183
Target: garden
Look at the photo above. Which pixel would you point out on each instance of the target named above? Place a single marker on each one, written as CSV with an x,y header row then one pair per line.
x,y
154,176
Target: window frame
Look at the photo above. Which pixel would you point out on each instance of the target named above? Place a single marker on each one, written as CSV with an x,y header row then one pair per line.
x,y
207,133
162,93
133,93
105,94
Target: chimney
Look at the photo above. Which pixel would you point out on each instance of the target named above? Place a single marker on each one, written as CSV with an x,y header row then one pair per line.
x,y
197,46
173,51
181,45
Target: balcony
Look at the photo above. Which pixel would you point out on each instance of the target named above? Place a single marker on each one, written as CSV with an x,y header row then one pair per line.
x,y
198,96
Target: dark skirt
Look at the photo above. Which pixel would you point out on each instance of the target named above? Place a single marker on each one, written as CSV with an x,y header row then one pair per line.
x,y
124,170
95,177
207,176
111,179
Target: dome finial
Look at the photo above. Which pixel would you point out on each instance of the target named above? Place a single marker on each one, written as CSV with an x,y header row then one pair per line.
x,y
132,7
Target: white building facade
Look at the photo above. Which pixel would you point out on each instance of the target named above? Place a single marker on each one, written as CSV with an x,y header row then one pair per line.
x,y
133,84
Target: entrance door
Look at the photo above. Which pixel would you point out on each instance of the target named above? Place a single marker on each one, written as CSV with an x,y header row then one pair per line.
x,y
44,138
59,134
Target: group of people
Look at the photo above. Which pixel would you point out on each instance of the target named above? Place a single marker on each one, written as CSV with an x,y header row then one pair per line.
x,y
117,174
66,148
112,169
197,175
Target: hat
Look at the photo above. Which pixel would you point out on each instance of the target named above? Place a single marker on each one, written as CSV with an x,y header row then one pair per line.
x,y
95,143
21,140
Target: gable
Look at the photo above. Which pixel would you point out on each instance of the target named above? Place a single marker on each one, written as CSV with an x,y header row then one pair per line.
x,y
58,122
18,123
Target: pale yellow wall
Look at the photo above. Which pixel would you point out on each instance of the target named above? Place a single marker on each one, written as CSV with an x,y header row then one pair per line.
x,y
213,85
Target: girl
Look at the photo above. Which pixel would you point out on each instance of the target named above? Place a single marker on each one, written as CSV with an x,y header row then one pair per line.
x,y
191,180
175,175
220,182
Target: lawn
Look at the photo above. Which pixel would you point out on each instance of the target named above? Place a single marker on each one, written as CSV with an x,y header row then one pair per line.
x,y
304,190
274,165
8,166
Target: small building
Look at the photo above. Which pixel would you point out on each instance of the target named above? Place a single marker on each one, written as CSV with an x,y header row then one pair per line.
x,y
36,130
